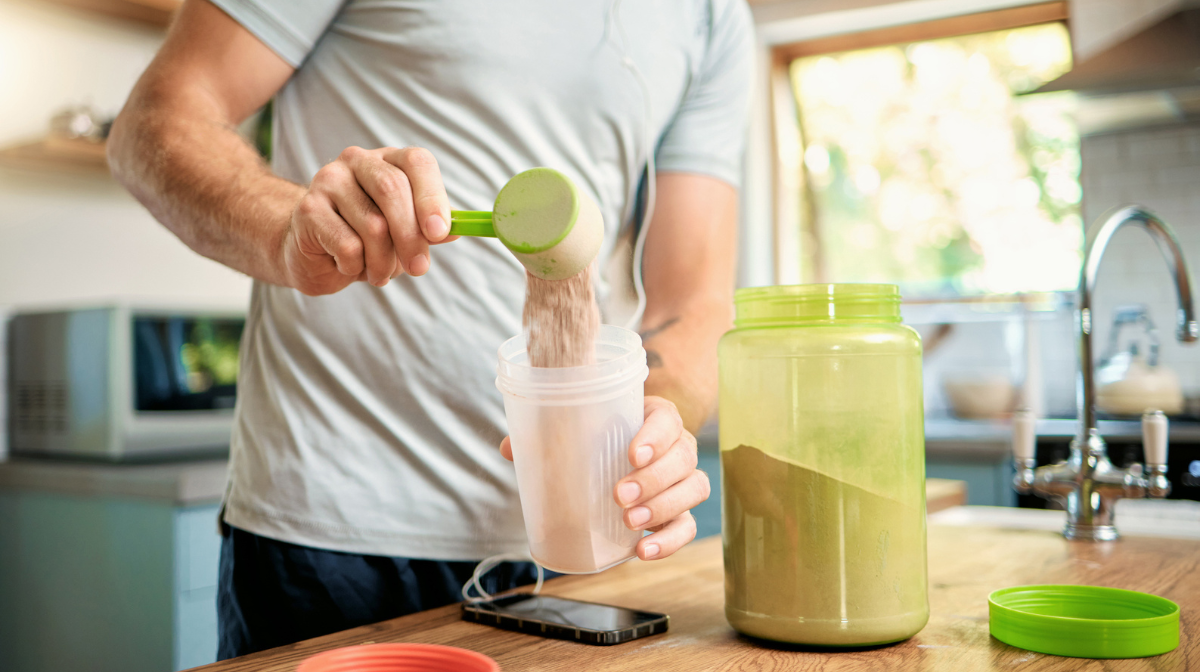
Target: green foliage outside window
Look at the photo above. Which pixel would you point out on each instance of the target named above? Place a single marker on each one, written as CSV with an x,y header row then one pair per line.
x,y
922,166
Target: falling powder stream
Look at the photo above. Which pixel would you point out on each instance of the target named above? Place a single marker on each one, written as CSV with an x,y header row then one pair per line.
x,y
561,320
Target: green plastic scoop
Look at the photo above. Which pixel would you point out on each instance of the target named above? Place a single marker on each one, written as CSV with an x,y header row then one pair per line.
x,y
1084,621
550,226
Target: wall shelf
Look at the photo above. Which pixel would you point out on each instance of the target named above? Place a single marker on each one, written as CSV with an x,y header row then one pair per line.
x,y
53,153
151,12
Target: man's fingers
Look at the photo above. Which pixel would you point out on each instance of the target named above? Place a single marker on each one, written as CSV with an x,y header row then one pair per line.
x,y
659,432
324,233
375,212
506,448
669,504
672,467
390,191
430,203
670,538
358,209
412,243
411,246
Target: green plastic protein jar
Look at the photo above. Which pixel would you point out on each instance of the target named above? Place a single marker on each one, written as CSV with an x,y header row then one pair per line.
x,y
823,466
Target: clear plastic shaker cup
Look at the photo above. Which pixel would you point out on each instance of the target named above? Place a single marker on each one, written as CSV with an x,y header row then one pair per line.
x,y
571,429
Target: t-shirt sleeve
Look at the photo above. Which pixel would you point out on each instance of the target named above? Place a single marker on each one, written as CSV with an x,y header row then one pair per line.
x,y
708,133
290,28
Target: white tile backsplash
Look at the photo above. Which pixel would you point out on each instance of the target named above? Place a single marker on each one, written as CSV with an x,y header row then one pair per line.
x,y
1160,169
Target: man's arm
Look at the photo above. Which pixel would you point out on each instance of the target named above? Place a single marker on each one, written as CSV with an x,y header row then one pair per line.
x,y
689,263
174,146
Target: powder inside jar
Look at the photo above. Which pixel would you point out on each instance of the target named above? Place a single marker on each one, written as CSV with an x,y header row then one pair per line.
x,y
812,559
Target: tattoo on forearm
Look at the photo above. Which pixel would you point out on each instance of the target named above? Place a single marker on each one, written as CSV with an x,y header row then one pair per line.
x,y
651,333
653,359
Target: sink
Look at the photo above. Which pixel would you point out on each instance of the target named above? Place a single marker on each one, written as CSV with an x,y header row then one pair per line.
x,y
1176,518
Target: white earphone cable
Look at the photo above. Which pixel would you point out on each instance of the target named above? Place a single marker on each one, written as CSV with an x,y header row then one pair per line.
x,y
639,244
491,563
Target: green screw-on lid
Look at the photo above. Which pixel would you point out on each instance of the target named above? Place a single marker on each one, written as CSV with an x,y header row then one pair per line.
x,y
1084,621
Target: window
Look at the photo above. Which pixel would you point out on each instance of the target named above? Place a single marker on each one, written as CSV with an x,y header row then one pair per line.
x,y
918,163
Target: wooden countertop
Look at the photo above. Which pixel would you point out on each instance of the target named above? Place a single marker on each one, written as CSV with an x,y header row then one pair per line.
x,y
965,564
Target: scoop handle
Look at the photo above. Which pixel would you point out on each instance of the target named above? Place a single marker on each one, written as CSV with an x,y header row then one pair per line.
x,y
476,223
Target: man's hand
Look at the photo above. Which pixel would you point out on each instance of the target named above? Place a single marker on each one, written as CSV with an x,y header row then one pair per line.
x,y
370,215
665,484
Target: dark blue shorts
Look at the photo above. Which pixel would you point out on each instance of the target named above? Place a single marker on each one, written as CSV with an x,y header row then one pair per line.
x,y
272,593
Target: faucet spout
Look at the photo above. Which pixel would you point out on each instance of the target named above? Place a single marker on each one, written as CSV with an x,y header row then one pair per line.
x,y
1187,328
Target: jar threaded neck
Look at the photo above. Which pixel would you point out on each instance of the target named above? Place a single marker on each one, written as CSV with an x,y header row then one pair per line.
x,y
834,303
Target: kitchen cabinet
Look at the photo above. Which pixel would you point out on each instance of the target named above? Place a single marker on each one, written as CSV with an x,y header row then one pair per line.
x,y
978,453
708,513
987,484
107,567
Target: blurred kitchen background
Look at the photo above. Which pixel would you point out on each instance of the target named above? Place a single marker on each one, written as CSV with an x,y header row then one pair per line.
x,y
957,147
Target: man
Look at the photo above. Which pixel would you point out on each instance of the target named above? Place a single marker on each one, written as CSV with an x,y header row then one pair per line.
x,y
364,477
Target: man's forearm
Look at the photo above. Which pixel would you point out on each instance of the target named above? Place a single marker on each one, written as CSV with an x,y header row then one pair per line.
x,y
681,351
199,178
689,273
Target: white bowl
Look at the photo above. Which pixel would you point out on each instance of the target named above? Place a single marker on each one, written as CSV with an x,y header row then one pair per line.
x,y
982,397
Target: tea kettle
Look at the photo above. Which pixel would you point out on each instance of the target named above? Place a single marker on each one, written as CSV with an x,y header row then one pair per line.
x,y
1130,382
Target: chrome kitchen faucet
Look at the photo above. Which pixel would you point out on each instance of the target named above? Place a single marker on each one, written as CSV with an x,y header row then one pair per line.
x,y
1087,480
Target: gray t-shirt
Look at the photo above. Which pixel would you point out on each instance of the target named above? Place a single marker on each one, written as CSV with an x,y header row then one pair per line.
x,y
368,421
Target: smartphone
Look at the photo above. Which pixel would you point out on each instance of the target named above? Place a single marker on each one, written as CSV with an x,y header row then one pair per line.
x,y
560,618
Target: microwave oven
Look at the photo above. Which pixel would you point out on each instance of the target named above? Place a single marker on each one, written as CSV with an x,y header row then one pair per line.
x,y
122,383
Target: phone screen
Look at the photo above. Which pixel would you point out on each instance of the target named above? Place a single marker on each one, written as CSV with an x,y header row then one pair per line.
x,y
569,613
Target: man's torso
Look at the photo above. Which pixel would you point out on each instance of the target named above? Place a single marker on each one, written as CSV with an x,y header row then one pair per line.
x,y
368,420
